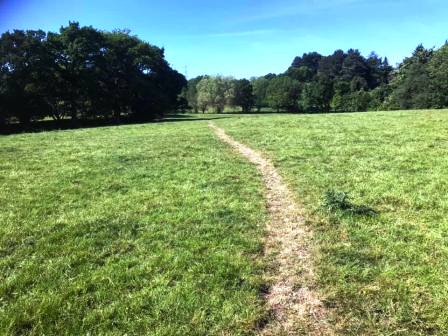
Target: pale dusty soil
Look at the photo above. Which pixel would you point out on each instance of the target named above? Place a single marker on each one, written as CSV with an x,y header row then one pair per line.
x,y
295,304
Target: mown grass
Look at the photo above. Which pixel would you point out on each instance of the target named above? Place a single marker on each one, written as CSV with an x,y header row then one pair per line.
x,y
148,229
385,270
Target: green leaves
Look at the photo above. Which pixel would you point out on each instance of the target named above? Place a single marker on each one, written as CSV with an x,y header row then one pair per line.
x,y
83,73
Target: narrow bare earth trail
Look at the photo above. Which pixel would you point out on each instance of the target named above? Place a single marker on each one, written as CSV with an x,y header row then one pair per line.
x,y
296,306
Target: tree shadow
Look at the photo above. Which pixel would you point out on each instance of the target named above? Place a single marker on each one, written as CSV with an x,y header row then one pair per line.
x,y
339,201
67,124
183,117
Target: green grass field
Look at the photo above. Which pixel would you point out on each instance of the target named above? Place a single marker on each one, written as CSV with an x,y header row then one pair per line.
x,y
153,230
385,274
157,229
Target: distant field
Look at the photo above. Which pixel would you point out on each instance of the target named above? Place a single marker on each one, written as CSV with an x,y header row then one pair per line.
x,y
153,229
385,274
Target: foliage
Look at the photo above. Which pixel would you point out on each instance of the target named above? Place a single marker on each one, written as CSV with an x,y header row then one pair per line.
x,y
336,200
339,82
215,92
438,74
316,96
260,86
190,93
282,93
83,73
26,75
243,95
411,86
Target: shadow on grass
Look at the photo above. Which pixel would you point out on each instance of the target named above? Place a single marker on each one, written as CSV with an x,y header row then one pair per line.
x,y
339,201
191,117
67,124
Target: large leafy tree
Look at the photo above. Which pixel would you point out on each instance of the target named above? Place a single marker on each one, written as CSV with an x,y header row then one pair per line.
x,y
260,86
25,71
215,92
438,74
379,71
331,66
140,77
190,93
309,60
81,62
282,93
316,96
411,86
84,73
337,81
243,95
354,66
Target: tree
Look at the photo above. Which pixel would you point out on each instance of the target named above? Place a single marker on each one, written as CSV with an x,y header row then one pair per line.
x,y
309,60
84,73
438,74
359,101
139,78
301,74
206,93
190,93
316,96
24,76
354,65
215,92
331,66
378,97
379,70
340,99
260,86
411,85
338,81
282,93
79,60
243,95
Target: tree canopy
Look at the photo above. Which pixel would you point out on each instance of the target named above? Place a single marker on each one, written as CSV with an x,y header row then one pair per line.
x,y
83,73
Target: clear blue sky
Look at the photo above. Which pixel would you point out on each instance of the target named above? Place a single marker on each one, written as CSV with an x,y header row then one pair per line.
x,y
247,38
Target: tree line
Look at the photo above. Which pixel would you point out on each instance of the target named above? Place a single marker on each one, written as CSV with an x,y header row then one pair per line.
x,y
340,82
82,73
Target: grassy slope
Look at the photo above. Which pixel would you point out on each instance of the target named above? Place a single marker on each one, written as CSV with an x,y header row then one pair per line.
x,y
386,275
146,229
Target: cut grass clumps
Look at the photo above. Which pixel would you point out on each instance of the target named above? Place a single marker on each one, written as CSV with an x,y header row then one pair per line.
x,y
336,200
139,230
339,201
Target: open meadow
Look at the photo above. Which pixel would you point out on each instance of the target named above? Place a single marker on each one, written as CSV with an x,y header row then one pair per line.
x,y
235,168
381,254
159,228
149,229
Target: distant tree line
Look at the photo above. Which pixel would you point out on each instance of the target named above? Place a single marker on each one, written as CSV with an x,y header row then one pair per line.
x,y
82,73
341,82
214,93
